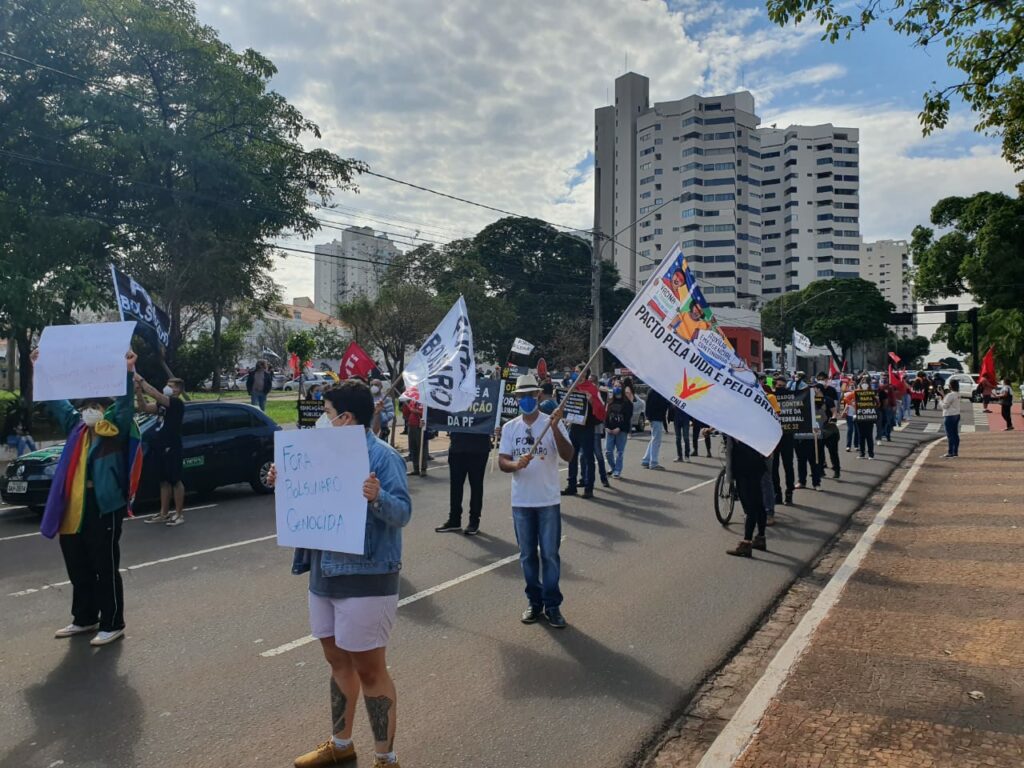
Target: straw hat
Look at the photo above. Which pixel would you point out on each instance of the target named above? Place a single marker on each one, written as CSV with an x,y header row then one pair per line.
x,y
526,384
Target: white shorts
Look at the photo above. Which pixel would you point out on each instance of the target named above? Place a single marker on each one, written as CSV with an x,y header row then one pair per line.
x,y
356,623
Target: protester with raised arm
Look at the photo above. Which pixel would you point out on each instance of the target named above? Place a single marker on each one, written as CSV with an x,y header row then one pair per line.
x,y
165,447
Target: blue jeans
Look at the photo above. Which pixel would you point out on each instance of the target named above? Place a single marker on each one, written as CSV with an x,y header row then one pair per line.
x,y
615,450
260,401
540,527
852,433
952,424
654,449
883,426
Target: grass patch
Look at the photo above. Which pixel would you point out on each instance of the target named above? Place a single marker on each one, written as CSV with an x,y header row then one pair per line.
x,y
283,411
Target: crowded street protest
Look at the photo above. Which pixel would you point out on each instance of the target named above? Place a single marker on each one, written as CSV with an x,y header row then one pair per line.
x,y
384,385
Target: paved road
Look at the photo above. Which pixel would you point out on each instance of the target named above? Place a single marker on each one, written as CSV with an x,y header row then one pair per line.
x,y
654,604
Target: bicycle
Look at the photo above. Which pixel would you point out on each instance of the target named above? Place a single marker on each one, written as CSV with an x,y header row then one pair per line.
x,y
726,493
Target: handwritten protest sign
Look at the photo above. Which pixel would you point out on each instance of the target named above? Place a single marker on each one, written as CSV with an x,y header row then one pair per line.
x,y
77,361
478,419
319,497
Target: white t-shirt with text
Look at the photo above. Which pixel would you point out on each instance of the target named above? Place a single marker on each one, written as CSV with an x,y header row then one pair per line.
x,y
539,484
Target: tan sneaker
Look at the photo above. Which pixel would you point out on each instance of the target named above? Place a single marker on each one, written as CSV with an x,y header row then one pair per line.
x,y
380,763
326,754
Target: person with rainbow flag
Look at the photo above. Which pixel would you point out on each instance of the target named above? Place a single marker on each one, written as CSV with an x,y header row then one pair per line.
x,y
93,487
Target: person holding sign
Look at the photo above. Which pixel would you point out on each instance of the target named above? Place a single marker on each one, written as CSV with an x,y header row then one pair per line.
x,y
353,599
88,500
530,447
866,406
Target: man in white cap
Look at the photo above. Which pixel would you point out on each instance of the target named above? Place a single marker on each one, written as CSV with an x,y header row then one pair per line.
x,y
530,447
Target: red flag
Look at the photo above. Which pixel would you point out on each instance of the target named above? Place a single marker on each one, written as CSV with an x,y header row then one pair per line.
x,y
596,403
356,362
293,363
833,372
988,367
894,357
844,363
542,369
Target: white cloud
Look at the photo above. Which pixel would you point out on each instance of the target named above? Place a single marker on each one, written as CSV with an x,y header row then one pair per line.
x,y
494,101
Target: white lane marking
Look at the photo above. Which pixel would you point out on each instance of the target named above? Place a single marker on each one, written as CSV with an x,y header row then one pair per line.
x,y
406,600
931,427
968,428
162,560
695,487
738,732
127,519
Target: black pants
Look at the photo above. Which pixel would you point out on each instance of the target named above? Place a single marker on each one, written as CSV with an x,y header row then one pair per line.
x,y
581,468
682,437
696,427
784,456
93,558
867,437
1005,408
461,466
805,457
419,462
756,515
830,444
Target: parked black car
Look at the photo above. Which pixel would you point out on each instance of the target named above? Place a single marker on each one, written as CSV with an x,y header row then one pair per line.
x,y
224,444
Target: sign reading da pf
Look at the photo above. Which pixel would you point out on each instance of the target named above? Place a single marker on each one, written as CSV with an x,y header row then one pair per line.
x,y
319,495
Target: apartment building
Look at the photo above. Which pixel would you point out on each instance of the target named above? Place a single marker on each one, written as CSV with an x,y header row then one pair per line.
x,y
886,263
755,209
350,267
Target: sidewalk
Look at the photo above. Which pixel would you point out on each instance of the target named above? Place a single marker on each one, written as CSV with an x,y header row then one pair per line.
x,y
921,661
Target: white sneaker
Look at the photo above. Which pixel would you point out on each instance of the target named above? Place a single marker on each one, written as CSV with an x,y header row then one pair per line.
x,y
175,520
105,638
74,629
157,519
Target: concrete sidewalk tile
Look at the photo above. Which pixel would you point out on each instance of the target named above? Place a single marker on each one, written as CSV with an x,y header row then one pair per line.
x,y
933,617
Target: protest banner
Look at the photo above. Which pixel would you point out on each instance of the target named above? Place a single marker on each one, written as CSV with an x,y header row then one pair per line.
x,y
522,347
480,418
444,369
134,303
800,342
319,501
866,403
670,338
576,408
309,411
795,411
509,404
77,361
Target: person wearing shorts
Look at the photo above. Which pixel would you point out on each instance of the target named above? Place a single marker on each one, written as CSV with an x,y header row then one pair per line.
x,y
353,598
165,446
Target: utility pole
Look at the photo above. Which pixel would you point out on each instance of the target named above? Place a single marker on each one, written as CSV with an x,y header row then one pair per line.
x,y
972,318
595,302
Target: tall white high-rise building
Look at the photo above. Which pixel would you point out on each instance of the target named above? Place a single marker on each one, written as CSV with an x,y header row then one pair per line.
x,y
886,263
350,267
758,211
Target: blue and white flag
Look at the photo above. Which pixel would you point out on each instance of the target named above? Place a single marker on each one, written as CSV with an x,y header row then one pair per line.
x,y
444,369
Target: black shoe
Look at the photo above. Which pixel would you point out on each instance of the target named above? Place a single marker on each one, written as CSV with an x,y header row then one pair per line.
x,y
472,529
835,475
555,618
569,492
532,614
606,484
789,499
778,498
448,527
588,494
759,543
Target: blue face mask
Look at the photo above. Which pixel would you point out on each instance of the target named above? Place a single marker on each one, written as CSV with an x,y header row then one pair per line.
x,y
617,391
573,376
527,404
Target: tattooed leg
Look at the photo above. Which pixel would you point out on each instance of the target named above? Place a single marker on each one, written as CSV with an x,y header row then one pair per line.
x,y
380,709
338,705
344,689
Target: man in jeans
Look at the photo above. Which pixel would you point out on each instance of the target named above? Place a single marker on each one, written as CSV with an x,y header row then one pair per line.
x,y
531,445
617,422
656,411
259,384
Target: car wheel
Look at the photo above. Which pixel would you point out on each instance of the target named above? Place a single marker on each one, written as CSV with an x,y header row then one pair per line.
x,y
259,482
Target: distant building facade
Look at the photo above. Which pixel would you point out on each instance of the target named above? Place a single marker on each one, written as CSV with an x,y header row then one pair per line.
x,y
886,263
351,267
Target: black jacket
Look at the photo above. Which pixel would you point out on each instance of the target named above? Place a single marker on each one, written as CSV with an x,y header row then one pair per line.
x,y
656,407
620,414
250,381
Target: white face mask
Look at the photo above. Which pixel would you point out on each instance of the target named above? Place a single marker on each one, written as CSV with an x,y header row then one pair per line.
x,y
168,391
92,416
865,386
324,422
375,390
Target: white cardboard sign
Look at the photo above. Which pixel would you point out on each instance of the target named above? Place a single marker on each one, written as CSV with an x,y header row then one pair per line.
x,y
78,361
319,494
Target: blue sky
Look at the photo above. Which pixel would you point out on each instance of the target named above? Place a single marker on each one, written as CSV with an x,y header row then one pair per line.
x,y
494,101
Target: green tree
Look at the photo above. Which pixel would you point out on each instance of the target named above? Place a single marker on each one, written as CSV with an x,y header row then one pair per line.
x,y
131,133
1001,329
198,359
779,317
911,351
843,312
982,39
398,319
330,341
302,344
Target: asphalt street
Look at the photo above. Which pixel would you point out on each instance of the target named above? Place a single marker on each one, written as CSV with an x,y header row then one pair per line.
x,y
216,671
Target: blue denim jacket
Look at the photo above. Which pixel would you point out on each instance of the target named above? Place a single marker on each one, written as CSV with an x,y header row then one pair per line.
x,y
383,543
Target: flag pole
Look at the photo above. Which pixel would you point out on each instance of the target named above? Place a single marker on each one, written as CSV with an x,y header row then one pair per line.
x,y
571,389
423,441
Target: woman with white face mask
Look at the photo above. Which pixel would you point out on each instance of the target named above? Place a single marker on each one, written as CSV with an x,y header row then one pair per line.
x,y
87,503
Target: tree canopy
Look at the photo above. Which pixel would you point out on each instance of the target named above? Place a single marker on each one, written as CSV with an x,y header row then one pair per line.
x,y
982,39
133,134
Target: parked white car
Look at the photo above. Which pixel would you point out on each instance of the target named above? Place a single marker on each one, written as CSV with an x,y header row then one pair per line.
x,y
967,381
